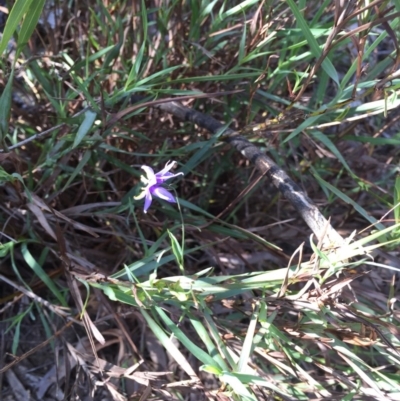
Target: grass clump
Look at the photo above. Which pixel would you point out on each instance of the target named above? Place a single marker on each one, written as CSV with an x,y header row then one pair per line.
x,y
275,274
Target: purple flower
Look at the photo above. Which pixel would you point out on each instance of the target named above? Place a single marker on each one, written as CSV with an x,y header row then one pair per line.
x,y
153,185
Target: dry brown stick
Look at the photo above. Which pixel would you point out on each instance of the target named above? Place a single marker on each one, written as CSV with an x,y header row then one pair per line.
x,y
320,226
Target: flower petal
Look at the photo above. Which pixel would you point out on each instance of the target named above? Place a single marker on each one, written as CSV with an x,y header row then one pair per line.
x,y
147,201
162,193
151,177
165,174
165,177
165,170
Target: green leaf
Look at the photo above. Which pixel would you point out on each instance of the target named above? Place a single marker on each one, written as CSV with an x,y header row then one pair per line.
x,y
90,117
314,46
211,369
331,146
247,348
202,332
30,260
239,8
89,59
348,200
134,73
396,200
17,321
163,72
5,109
168,344
181,336
78,168
29,23
5,249
242,45
19,9
176,249
238,387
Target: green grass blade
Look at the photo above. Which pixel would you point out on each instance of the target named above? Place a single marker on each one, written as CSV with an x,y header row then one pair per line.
x,y
29,23
238,387
239,8
168,344
396,200
19,9
5,109
78,169
348,200
30,260
190,346
84,128
248,341
221,345
211,348
176,250
318,135
314,46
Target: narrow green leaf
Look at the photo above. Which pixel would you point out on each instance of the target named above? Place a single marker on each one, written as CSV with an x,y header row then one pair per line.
x,y
78,168
211,369
30,260
46,84
5,108
305,124
29,23
176,249
17,320
191,347
238,387
248,341
396,200
373,141
163,72
5,249
217,339
348,200
134,73
258,381
87,123
168,344
19,9
314,46
239,8
202,332
89,59
113,55
331,146
17,334
242,45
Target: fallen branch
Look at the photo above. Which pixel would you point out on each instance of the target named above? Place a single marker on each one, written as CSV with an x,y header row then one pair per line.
x,y
320,226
